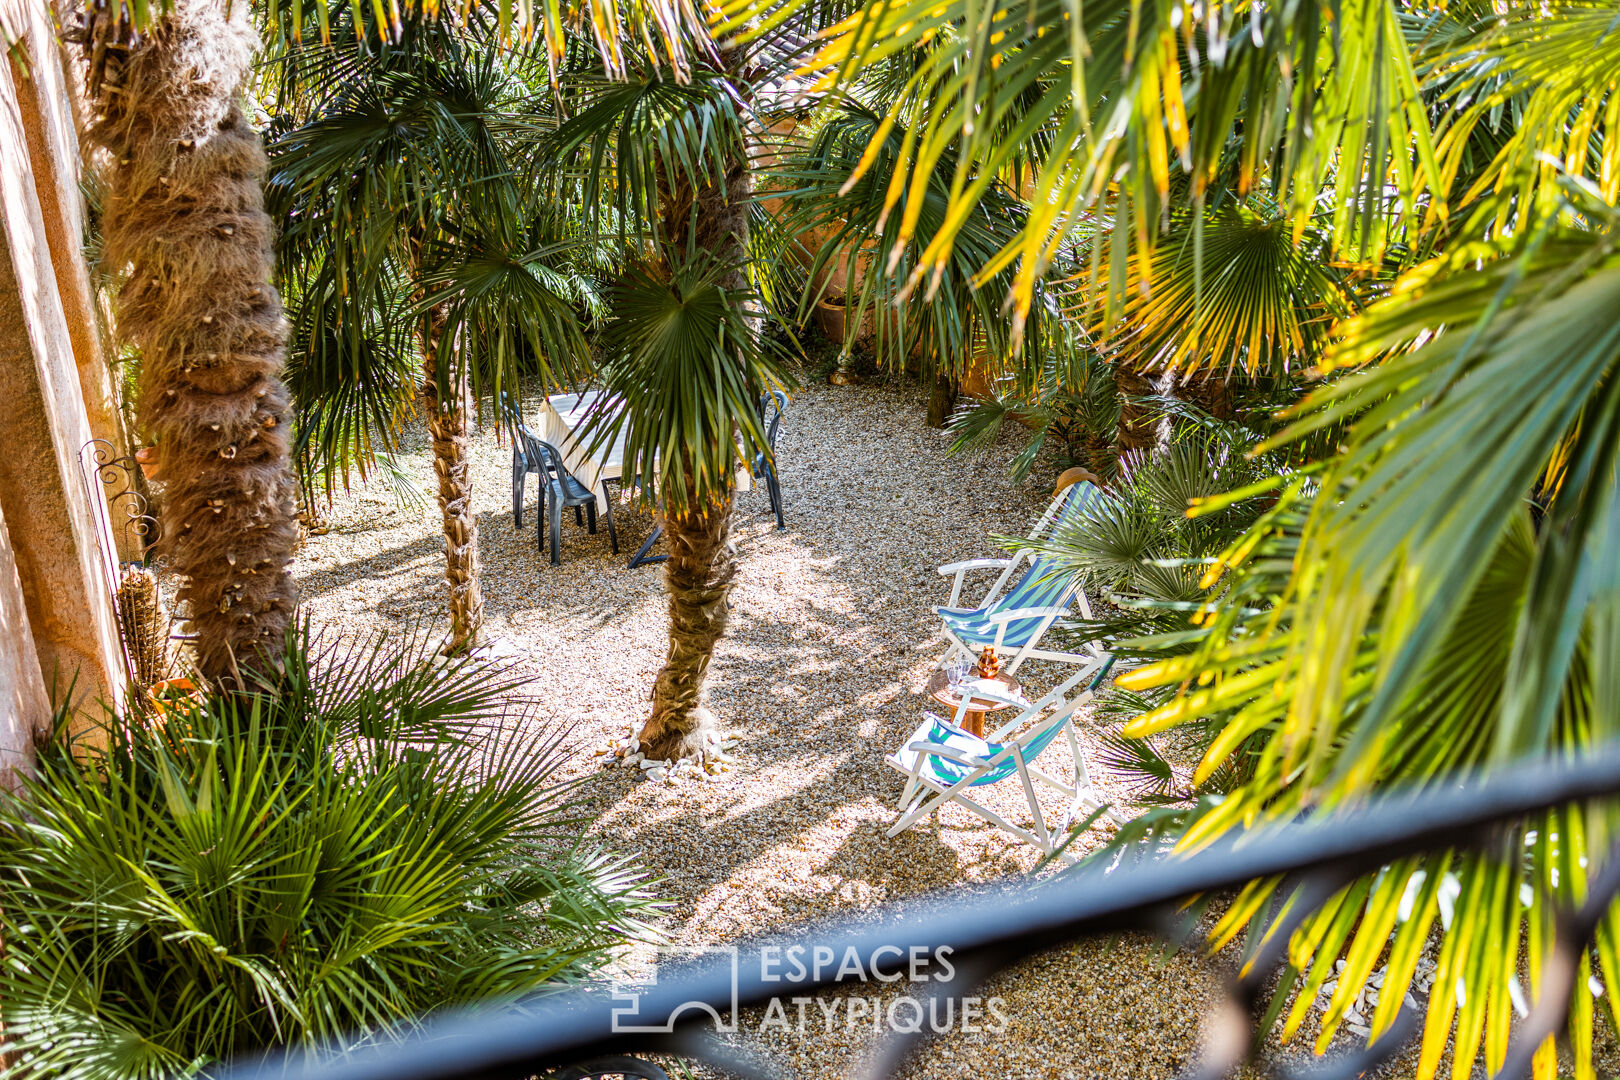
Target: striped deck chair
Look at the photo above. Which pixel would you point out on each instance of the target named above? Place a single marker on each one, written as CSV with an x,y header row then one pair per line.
x,y
944,763
1015,621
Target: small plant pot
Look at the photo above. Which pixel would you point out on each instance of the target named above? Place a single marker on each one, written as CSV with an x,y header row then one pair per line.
x,y
832,316
151,463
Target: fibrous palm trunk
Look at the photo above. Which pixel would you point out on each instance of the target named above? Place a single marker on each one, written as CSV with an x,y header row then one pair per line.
x,y
447,428
1210,393
702,563
184,218
1138,426
1096,451
702,560
942,402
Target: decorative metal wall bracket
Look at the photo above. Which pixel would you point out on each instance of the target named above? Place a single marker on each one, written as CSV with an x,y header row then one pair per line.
x,y
123,523
109,479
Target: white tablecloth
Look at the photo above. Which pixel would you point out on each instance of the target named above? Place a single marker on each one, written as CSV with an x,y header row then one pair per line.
x,y
561,416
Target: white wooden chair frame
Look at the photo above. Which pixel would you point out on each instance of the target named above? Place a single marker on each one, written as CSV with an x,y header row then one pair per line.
x,y
1049,615
925,795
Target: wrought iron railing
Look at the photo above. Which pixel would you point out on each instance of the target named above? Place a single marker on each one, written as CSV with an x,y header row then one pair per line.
x,y
988,930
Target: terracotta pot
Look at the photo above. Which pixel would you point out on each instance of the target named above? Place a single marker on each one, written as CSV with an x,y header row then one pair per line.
x,y
830,316
150,461
979,382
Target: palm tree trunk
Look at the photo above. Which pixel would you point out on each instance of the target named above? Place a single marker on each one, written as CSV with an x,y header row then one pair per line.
x,y
184,218
1096,451
942,402
447,428
702,561
1211,394
1137,424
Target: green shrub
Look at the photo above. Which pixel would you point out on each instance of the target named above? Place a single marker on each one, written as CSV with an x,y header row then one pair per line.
x,y
317,864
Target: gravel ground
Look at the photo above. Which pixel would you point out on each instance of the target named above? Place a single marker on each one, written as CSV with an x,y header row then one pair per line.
x,y
831,641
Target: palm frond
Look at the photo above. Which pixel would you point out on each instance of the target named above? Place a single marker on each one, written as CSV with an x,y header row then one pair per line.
x,y
617,30
1325,95
316,866
1528,79
684,358
631,144
1228,291
836,196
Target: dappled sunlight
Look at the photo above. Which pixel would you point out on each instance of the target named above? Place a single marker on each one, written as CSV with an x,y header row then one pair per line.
x,y
831,639
1292,401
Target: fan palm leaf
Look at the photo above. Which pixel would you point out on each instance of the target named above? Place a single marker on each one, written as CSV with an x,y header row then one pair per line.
x,y
835,191
1130,95
644,140
1228,291
1444,608
1532,80
315,865
689,367
353,395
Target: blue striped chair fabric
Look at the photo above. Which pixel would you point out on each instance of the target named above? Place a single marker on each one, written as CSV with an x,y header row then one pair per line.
x,y
942,762
946,772
1043,584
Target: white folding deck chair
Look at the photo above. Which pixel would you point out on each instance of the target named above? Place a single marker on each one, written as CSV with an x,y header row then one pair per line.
x,y
944,763
1016,620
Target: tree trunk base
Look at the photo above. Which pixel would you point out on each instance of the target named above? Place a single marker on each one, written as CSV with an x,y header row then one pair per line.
x,y
942,401
660,742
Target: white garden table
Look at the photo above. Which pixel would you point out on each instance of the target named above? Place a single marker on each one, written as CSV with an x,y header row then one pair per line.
x,y
561,417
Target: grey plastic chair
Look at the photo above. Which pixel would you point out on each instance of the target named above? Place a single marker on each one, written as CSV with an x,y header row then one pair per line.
x,y
765,463
559,489
525,458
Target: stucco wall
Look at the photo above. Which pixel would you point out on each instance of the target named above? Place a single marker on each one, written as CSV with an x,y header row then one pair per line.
x,y
55,543
48,107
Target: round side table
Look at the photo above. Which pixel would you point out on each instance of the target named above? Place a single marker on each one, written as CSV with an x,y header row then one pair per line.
x,y
939,688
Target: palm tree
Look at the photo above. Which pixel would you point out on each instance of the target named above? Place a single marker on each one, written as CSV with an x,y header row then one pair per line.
x,y
836,220
1223,294
1434,595
406,176
165,83
183,222
667,164
363,840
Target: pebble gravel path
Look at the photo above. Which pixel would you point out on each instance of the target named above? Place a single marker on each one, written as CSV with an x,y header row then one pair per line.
x,y
831,640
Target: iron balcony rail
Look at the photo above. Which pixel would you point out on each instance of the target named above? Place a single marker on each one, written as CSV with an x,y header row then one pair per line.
x,y
989,929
